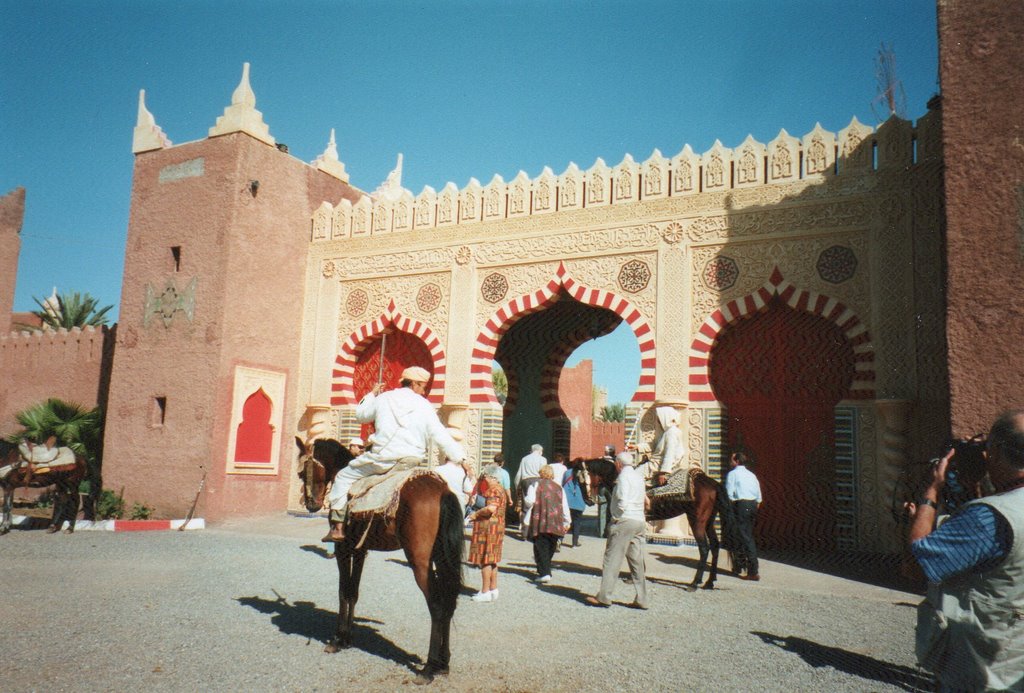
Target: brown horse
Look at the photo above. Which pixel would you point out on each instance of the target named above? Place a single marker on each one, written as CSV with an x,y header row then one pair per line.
x,y
65,483
708,500
429,530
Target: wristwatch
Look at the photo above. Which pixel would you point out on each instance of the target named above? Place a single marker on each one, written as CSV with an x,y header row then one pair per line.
x,y
928,501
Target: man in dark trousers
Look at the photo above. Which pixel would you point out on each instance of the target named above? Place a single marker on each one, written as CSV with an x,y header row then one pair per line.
x,y
744,491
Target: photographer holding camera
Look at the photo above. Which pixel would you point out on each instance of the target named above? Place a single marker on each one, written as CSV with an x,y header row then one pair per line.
x,y
970,630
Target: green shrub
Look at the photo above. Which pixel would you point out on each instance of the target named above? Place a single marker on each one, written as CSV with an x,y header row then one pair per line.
x,y
109,506
141,512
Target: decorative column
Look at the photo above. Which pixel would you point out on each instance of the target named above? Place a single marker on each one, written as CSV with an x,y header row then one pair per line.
x,y
893,461
317,420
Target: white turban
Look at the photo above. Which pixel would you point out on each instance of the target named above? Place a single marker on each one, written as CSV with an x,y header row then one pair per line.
x,y
416,374
625,459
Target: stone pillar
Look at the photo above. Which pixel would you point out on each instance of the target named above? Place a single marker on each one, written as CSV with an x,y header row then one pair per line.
x,y
893,460
316,422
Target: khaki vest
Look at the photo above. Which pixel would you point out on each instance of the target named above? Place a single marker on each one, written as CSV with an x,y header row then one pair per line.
x,y
985,612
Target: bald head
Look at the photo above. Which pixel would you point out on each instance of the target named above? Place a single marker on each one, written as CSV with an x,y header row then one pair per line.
x,y
1006,439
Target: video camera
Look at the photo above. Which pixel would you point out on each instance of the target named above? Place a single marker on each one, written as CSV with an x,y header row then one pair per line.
x,y
964,472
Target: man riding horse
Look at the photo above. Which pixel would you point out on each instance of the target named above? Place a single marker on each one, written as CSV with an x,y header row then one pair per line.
x,y
405,423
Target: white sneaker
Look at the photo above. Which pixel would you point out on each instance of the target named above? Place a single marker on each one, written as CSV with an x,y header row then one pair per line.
x,y
483,597
494,595
543,579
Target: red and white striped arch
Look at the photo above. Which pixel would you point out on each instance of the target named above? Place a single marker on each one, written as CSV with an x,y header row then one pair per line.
x,y
342,391
863,386
481,389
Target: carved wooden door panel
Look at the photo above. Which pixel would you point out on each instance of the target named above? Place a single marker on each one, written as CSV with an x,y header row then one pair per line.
x,y
780,374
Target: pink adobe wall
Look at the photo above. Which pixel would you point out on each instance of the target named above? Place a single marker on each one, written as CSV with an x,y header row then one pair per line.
x,y
980,60
248,255
70,365
576,397
12,213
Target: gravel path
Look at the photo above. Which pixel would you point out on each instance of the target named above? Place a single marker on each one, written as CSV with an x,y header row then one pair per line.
x,y
248,606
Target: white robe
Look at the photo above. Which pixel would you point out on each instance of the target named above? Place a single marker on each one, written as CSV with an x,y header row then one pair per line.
x,y
405,425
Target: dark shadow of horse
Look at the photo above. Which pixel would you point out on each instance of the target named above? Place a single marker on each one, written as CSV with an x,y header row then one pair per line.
x,y
864,666
305,619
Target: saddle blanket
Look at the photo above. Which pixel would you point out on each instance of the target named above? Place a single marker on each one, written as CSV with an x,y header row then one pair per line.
x,y
42,460
381,496
373,507
678,485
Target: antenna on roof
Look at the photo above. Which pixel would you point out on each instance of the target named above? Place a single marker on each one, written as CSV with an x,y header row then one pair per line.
x,y
890,96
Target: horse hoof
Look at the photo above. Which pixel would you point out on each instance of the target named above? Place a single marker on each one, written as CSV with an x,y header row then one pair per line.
x,y
69,530
708,586
690,588
428,674
52,529
336,646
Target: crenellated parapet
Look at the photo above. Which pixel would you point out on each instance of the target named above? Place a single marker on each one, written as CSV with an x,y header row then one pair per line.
x,y
856,150
73,365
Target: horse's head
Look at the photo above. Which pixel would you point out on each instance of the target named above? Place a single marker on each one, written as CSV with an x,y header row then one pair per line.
x,y
594,475
313,475
318,463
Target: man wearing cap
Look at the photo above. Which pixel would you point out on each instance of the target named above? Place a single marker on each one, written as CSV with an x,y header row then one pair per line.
x,y
356,446
405,424
626,535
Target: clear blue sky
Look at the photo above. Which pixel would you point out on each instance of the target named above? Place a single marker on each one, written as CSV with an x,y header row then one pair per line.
x,y
463,89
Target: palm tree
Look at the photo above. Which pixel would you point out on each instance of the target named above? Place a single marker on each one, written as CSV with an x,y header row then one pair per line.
x,y
71,424
500,382
68,310
613,412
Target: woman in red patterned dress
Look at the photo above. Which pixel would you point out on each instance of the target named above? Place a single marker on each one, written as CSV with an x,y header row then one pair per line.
x,y
488,535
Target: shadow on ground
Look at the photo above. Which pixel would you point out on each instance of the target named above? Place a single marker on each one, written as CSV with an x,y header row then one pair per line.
x,y
881,570
307,620
864,666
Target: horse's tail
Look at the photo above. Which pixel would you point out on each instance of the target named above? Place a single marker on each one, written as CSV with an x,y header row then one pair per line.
x,y
446,558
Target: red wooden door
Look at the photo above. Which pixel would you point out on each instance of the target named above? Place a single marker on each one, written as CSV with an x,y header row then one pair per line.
x,y
780,374
401,350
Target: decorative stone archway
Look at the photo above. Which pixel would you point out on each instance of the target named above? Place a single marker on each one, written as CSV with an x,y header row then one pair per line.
x,y
863,386
342,390
481,388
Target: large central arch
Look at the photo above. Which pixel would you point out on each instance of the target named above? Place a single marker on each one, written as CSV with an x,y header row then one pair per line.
x,y
486,345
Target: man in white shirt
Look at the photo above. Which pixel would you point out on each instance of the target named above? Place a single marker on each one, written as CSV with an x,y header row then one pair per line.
x,y
559,469
529,466
626,536
744,491
458,475
405,425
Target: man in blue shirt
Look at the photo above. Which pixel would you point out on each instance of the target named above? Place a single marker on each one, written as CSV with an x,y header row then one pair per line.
x,y
744,491
971,626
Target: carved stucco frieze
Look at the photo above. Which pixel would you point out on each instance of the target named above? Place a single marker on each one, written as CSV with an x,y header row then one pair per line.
x,y
722,227
414,297
796,258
